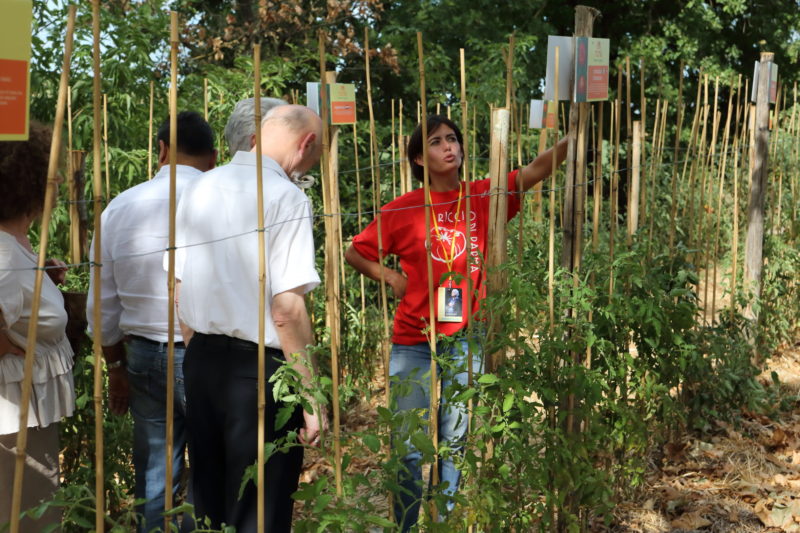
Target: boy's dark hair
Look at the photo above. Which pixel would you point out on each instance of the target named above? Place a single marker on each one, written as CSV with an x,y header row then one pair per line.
x,y
23,173
195,136
415,141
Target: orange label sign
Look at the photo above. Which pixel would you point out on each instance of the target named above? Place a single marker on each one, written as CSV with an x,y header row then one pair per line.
x,y
13,97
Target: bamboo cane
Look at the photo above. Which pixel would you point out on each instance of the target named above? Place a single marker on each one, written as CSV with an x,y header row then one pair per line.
x,y
105,147
509,71
679,109
97,190
33,324
704,208
150,137
598,180
643,143
647,173
552,236
614,203
633,197
205,99
701,152
692,146
538,200
795,157
72,196
331,264
376,181
468,210
735,229
262,293
394,161
598,201
655,167
629,128
173,177
359,220
434,389
721,178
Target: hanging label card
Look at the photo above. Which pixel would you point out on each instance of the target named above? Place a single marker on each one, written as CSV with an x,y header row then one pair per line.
x,y
565,54
536,118
542,115
343,103
15,81
591,69
773,83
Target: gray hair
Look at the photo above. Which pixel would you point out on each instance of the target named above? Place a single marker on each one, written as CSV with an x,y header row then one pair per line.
x,y
241,124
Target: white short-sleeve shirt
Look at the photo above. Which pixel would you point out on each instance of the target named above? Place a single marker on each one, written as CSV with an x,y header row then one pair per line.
x,y
135,234
217,247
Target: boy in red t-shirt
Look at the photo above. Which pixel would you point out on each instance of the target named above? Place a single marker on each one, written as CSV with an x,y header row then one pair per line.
x,y
403,234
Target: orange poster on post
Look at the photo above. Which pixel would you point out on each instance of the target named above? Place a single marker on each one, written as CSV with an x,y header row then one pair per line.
x,y
15,54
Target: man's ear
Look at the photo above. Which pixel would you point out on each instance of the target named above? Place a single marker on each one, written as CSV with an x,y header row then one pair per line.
x,y
163,153
307,143
252,140
212,160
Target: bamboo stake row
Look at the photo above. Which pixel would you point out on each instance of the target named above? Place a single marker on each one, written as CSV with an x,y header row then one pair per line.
x,y
33,324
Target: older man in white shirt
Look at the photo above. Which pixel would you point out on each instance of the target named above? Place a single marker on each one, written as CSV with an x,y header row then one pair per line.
x,y
217,267
134,306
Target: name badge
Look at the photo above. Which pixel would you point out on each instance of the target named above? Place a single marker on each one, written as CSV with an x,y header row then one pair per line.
x,y
450,304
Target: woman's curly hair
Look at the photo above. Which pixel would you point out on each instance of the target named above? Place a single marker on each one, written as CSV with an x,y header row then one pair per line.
x,y
23,173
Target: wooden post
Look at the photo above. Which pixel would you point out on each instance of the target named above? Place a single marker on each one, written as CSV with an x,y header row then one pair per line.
x,y
33,325
333,181
758,186
496,252
331,269
97,345
575,190
173,177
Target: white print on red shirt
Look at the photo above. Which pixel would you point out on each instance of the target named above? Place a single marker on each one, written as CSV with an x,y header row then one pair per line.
x,y
442,241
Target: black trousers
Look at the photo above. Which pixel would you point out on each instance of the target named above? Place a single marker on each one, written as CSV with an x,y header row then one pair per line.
x,y
221,375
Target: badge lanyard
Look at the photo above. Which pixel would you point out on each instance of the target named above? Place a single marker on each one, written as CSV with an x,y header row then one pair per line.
x,y
449,299
448,259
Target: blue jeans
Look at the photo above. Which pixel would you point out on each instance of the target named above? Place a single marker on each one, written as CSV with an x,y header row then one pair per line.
x,y
409,370
147,377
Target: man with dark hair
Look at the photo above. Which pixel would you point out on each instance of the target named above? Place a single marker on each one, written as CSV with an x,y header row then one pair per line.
x,y
134,311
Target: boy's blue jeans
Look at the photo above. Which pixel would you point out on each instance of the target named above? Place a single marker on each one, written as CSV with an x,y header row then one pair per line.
x,y
409,370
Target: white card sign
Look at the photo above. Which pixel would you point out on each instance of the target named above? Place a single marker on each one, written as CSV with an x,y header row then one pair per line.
x,y
565,67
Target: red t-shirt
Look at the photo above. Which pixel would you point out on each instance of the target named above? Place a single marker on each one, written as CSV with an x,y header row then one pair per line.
x,y
403,228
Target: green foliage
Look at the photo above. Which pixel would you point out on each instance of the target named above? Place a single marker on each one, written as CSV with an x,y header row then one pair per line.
x,y
629,363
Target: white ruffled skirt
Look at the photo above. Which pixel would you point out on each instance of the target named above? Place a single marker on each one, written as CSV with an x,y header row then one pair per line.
x,y
52,393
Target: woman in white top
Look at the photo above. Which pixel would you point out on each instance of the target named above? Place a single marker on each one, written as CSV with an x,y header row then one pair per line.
x,y
23,178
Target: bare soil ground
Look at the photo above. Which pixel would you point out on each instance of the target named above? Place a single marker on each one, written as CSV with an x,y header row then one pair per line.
x,y
732,479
